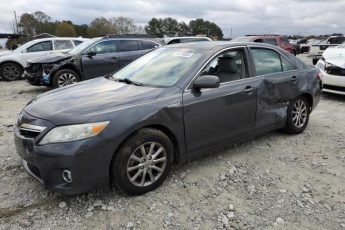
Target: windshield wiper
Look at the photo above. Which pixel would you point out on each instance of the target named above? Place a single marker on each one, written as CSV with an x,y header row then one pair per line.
x,y
129,81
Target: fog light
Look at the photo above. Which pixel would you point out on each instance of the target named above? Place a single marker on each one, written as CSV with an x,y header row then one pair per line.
x,y
67,176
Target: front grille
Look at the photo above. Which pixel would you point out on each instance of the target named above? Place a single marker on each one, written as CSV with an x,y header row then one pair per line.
x,y
336,88
334,70
34,170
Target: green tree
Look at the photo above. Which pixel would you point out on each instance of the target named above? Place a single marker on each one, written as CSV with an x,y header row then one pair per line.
x,y
42,21
100,26
155,27
183,29
202,27
28,24
81,30
65,29
170,27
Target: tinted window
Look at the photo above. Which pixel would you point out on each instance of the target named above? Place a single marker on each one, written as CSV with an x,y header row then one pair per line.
x,y
336,40
77,42
271,41
41,46
228,66
103,47
128,45
63,44
184,40
146,45
266,61
287,66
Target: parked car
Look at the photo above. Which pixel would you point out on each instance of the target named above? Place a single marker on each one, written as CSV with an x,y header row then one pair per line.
x,y
12,63
303,44
174,40
277,40
318,49
170,105
332,67
94,58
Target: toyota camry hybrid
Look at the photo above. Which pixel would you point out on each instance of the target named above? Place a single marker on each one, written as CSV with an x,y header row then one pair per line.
x,y
170,105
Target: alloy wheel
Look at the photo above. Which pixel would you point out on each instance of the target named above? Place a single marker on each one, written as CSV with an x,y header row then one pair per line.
x,y
146,164
11,72
299,113
67,79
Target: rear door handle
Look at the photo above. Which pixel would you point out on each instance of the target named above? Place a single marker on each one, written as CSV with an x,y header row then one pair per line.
x,y
293,80
248,90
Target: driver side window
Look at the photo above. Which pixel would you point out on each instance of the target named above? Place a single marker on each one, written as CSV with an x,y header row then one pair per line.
x,y
104,47
228,66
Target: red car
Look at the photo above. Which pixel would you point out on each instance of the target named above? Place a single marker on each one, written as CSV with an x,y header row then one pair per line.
x,y
277,40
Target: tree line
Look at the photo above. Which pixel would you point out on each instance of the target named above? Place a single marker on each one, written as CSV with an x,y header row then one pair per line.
x,y
38,22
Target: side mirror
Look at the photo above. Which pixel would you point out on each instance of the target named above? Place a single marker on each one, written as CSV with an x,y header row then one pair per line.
x,y
206,82
91,53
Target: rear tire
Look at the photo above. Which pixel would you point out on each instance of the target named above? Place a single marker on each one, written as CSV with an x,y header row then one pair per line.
x,y
143,162
11,71
297,115
65,77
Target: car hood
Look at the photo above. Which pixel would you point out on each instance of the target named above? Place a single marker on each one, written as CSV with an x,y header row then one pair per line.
x,y
335,56
50,58
80,102
5,52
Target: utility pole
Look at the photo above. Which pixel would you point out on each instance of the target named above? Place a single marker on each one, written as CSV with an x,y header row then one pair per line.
x,y
16,22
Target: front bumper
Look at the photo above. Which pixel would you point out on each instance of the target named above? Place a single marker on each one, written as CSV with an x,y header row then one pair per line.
x,y
85,159
331,83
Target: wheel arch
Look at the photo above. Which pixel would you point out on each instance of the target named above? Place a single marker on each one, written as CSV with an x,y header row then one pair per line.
x,y
65,66
14,62
162,128
309,98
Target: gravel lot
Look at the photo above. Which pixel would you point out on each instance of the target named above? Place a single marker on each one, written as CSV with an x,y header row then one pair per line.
x,y
275,181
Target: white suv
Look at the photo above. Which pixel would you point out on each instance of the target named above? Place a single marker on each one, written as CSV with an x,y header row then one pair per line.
x,y
13,63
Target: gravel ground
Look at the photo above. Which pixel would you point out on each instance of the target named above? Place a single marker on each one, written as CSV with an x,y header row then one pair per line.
x,y
275,181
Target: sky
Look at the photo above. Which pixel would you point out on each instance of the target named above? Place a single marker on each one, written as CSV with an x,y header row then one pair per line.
x,y
287,17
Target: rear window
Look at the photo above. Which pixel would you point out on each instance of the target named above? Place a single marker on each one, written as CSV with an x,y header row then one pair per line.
x,y
336,40
63,44
146,45
128,45
77,42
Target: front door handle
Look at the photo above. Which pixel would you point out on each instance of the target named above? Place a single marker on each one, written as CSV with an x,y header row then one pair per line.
x,y
293,80
248,90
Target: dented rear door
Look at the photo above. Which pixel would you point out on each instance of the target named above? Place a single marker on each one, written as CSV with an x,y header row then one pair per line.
x,y
280,84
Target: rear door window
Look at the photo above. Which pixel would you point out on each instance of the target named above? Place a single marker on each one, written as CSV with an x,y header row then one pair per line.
x,y
266,61
128,45
63,44
287,66
41,46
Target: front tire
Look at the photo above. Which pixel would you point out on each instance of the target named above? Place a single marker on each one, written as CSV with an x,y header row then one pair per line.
x,y
142,162
297,115
65,77
11,71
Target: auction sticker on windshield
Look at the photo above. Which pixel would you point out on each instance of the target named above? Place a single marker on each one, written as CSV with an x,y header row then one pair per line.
x,y
183,54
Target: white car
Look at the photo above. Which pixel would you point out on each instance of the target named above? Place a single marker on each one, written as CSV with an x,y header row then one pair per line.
x,y
174,40
332,67
12,63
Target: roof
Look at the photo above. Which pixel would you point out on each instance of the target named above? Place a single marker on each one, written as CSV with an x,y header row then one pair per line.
x,y
217,45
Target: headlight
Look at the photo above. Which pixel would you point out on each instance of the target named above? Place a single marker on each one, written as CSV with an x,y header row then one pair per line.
x,y
73,132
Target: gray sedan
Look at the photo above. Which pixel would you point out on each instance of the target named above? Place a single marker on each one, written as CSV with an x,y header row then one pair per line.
x,y
169,106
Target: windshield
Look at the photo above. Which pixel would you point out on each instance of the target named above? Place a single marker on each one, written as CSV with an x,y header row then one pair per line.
x,y
81,47
160,68
342,45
